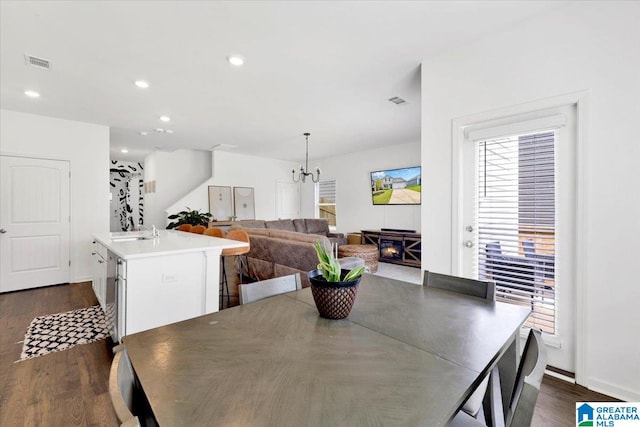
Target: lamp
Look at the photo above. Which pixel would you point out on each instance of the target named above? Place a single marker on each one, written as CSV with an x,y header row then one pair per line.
x,y
304,170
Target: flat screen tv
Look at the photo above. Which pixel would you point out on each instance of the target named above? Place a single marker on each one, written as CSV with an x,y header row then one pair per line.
x,y
396,186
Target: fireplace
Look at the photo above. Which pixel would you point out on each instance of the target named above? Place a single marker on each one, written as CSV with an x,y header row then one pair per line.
x,y
396,246
390,250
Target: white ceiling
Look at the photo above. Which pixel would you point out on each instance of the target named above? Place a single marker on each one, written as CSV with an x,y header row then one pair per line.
x,y
324,67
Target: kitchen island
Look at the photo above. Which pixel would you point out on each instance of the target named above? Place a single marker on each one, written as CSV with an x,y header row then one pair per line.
x,y
144,281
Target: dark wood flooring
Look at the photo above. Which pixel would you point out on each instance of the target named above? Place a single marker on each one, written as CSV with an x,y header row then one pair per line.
x,y
70,387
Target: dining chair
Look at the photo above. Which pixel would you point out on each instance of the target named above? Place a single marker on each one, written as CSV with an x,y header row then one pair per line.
x,y
525,392
198,229
485,290
241,236
475,288
255,291
184,227
214,232
121,388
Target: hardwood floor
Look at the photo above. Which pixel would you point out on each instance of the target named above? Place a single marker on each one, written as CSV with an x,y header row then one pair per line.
x,y
66,388
70,387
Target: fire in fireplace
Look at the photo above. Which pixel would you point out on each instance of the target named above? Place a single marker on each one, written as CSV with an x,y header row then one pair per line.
x,y
390,249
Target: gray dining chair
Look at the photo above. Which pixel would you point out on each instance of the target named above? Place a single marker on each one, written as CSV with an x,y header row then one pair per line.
x,y
475,288
525,392
121,388
255,291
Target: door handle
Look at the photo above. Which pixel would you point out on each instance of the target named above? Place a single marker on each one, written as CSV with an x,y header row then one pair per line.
x,y
468,244
2,231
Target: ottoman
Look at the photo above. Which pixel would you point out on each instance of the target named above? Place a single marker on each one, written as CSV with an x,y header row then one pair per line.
x,y
369,253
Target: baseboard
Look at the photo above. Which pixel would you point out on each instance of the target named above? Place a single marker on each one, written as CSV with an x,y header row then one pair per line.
x,y
560,376
613,390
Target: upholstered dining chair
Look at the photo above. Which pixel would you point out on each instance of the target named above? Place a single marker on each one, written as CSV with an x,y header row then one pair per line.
x,y
184,227
255,291
241,236
198,229
476,288
121,388
214,232
522,401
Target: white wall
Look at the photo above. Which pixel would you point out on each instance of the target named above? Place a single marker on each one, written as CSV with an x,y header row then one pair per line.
x,y
584,46
86,147
175,173
354,208
238,170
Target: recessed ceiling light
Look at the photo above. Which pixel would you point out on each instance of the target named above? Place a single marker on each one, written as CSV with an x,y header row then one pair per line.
x,y
236,60
169,131
165,118
32,93
143,133
124,150
142,84
159,130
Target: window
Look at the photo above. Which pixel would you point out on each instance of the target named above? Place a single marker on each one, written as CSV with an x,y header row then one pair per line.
x,y
326,201
516,219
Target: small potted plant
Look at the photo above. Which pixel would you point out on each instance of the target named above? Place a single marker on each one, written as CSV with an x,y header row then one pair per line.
x,y
190,216
334,289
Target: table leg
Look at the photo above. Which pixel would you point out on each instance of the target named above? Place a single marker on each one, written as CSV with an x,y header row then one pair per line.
x,y
508,367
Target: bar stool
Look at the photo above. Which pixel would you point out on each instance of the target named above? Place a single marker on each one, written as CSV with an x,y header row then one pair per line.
x,y
198,229
241,236
213,232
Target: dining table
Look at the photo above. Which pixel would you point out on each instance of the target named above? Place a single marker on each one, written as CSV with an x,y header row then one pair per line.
x,y
407,355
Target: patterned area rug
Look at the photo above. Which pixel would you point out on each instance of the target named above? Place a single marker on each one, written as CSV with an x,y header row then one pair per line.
x,y
61,331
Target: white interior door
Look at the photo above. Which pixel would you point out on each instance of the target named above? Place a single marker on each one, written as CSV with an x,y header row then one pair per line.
x,y
34,223
517,218
287,200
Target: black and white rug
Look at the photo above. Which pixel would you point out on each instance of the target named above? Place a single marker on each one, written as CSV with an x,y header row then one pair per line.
x,y
61,331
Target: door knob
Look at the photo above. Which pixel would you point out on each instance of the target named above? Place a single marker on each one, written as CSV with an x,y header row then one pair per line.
x,y
468,244
2,231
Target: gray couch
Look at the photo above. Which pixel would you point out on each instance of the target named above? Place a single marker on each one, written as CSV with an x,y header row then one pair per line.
x,y
317,226
278,249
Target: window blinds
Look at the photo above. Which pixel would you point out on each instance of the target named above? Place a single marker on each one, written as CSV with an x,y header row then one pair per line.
x,y
326,201
516,217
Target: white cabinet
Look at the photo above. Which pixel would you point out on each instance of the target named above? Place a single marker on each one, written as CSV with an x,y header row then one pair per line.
x,y
99,259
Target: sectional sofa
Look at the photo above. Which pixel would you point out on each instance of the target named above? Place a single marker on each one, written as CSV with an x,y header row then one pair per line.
x,y
283,247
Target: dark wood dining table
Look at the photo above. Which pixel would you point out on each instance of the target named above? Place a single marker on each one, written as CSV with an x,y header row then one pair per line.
x,y
407,355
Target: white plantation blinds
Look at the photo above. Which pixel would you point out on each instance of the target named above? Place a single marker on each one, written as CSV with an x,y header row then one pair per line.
x,y
326,201
516,221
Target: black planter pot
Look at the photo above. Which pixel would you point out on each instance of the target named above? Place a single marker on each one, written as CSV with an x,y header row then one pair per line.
x,y
334,300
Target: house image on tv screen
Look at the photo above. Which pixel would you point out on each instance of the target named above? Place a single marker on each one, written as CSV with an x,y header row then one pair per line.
x,y
396,186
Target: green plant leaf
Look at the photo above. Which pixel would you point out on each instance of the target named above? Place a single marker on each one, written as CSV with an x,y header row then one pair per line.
x,y
354,274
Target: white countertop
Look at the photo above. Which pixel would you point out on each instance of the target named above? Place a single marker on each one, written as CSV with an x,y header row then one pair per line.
x,y
169,242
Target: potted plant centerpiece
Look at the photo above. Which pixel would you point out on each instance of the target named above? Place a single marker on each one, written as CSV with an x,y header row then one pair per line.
x,y
334,289
190,216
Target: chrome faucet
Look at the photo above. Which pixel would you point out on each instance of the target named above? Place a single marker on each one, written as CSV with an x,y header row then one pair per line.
x,y
154,231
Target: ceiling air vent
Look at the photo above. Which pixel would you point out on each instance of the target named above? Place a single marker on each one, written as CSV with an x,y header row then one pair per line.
x,y
43,64
397,100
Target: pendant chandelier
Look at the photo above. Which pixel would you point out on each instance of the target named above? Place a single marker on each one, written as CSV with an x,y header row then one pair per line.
x,y
304,170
